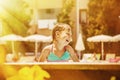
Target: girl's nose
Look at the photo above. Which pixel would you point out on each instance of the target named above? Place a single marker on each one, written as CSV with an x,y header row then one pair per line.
x,y
70,39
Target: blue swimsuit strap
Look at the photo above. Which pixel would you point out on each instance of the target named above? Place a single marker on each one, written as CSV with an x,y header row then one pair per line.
x,y
53,57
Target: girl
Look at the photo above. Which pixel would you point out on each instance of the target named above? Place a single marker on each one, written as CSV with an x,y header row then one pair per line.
x,y
59,50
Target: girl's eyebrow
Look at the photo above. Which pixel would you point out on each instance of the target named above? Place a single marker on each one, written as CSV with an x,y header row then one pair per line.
x,y
69,29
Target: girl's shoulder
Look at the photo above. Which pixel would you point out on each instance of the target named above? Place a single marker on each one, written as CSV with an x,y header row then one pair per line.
x,y
47,48
68,47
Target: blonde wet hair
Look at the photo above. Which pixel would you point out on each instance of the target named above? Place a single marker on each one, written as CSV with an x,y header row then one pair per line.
x,y
58,27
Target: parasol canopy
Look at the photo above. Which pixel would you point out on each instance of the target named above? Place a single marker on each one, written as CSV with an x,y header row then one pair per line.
x,y
12,37
100,38
79,44
38,38
116,38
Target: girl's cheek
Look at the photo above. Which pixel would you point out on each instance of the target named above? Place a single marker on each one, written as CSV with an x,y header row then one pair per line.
x,y
71,39
63,36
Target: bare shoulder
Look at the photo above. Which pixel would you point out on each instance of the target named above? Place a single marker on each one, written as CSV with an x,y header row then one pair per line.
x,y
45,52
68,47
46,49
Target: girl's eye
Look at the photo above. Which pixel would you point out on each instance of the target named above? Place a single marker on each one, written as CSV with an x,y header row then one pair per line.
x,y
68,34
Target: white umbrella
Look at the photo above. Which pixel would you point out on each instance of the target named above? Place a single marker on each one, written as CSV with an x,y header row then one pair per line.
x,y
102,39
79,45
116,38
12,37
38,38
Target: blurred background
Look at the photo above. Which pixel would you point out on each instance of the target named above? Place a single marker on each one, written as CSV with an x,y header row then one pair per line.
x,y
87,18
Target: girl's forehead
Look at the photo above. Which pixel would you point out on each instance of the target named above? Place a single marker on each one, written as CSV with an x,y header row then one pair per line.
x,y
67,28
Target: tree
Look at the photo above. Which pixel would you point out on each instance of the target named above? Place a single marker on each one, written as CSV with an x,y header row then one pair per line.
x,y
111,12
15,17
103,19
63,16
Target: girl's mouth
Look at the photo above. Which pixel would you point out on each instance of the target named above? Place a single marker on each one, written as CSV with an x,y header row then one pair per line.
x,y
67,40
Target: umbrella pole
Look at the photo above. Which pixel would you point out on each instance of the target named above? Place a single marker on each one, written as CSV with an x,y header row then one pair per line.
x,y
102,50
79,54
13,49
36,46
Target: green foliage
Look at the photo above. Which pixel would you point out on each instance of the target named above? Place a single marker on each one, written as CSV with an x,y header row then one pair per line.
x,y
15,17
63,16
111,11
103,19
103,16
96,25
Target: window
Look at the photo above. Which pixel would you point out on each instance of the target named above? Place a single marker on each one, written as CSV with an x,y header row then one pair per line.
x,y
83,16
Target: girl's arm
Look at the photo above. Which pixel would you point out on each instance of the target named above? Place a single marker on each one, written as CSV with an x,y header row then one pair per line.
x,y
72,53
44,54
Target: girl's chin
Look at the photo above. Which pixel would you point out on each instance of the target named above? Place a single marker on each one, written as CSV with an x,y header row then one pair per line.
x,y
66,43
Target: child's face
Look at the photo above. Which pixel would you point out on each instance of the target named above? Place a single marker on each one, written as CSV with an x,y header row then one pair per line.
x,y
65,37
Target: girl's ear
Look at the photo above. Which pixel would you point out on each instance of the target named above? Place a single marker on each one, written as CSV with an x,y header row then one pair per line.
x,y
57,33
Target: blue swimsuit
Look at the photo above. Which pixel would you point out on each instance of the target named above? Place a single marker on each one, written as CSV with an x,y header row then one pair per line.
x,y
64,57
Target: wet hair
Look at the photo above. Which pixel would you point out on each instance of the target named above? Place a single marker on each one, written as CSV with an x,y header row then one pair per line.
x,y
58,27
